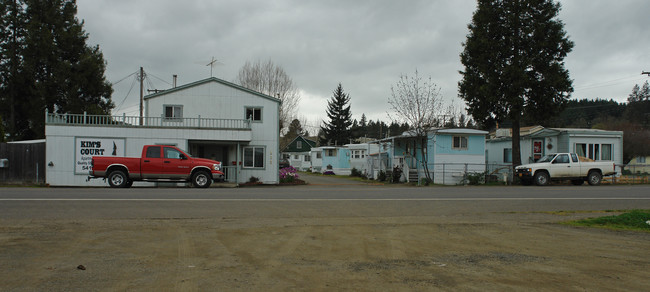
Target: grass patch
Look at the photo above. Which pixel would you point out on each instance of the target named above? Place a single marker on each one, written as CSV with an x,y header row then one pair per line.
x,y
637,220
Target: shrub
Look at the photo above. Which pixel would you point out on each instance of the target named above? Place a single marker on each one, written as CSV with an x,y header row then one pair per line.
x,y
397,174
425,181
475,178
381,176
253,179
288,174
355,172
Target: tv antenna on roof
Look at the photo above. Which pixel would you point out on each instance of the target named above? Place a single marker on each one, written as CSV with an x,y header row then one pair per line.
x,y
213,63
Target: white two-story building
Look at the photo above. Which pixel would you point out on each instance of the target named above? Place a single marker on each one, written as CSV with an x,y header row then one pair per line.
x,y
210,118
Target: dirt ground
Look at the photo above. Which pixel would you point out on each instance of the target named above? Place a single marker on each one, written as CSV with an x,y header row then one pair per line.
x,y
495,252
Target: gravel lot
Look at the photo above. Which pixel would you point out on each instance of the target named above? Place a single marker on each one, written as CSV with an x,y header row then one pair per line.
x,y
518,251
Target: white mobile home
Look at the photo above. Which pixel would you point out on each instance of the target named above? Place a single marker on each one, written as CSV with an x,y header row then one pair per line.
x,y
538,141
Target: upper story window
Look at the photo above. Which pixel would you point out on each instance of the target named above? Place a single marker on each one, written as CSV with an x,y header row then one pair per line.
x,y
299,144
173,112
459,143
254,113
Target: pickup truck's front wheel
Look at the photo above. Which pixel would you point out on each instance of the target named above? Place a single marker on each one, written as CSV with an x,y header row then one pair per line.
x,y
541,178
117,179
594,178
201,179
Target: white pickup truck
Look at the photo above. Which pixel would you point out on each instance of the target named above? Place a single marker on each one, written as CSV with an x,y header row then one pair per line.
x,y
564,166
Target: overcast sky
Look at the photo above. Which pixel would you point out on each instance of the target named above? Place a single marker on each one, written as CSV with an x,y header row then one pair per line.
x,y
364,45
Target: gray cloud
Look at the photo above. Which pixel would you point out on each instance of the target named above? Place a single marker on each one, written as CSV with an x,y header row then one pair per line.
x,y
365,45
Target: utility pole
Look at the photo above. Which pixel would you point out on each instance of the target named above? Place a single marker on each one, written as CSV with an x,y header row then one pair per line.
x,y
141,95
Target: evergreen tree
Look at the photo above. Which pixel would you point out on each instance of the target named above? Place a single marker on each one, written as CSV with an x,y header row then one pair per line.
x,y
294,130
12,33
514,64
634,96
56,70
337,130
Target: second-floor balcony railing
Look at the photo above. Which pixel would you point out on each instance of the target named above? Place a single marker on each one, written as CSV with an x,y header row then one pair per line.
x,y
136,121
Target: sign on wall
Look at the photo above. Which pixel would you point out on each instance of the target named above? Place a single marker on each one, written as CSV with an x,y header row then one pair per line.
x,y
86,148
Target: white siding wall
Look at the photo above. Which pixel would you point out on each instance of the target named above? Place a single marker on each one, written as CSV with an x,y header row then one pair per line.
x,y
209,100
219,101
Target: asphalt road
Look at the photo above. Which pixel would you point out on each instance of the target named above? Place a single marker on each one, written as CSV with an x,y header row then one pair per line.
x,y
333,200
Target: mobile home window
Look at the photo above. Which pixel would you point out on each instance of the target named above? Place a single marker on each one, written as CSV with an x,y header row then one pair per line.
x,y
507,155
319,155
460,142
254,113
254,157
330,152
173,112
594,151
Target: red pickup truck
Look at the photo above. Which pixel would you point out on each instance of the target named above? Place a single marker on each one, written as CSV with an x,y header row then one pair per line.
x,y
158,163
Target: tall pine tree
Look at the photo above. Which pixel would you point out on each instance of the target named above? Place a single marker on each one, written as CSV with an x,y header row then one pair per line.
x,y
55,70
337,130
514,64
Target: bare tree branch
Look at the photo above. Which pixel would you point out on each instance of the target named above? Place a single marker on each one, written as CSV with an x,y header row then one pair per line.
x,y
271,79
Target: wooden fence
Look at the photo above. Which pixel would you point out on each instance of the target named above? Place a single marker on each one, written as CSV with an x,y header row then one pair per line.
x,y
22,163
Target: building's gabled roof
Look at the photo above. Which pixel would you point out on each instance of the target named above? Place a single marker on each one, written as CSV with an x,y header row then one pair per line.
x,y
307,144
207,80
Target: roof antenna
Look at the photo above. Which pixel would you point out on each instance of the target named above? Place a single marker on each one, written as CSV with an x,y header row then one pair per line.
x,y
213,63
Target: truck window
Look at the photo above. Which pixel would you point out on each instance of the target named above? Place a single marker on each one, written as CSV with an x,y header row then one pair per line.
x,y
562,158
153,152
574,157
172,153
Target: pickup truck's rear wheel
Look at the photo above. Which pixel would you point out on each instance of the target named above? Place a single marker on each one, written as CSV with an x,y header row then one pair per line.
x,y
117,179
541,178
201,179
594,178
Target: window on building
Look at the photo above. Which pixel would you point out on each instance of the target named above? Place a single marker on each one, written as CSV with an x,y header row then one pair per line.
x,y
319,155
640,159
606,151
358,154
594,151
299,144
254,113
173,112
296,157
507,155
330,152
307,157
253,157
459,143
